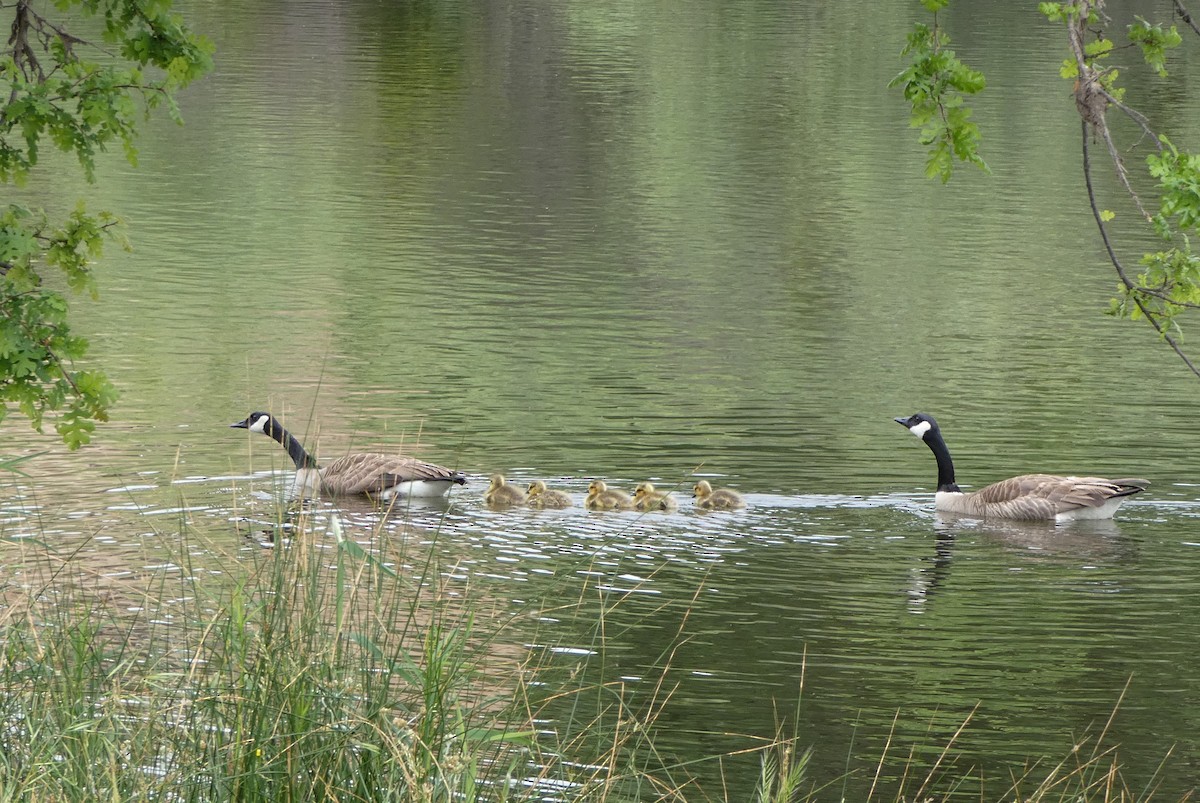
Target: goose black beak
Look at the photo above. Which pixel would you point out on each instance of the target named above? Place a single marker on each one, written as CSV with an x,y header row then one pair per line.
x,y
239,425
901,421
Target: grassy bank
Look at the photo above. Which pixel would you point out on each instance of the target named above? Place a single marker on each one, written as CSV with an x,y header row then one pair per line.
x,y
319,670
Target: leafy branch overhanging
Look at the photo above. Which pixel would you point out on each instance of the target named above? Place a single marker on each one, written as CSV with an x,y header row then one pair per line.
x,y
81,95
1168,285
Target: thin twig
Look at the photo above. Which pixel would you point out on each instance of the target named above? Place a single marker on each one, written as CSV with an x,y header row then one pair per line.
x,y
1162,296
1185,16
1092,100
1133,114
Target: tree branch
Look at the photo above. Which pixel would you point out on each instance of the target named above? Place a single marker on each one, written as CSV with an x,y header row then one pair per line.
x,y
22,53
1139,118
1182,13
1092,99
1133,289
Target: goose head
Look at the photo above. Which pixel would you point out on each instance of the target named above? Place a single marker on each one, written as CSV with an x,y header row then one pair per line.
x,y
255,422
702,489
920,424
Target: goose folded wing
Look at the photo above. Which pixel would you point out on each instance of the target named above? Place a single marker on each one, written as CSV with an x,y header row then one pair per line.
x,y
1046,495
409,469
1029,496
1095,491
372,473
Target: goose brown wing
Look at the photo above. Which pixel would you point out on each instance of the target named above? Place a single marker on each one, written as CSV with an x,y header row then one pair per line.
x,y
1095,491
1039,496
372,473
1130,485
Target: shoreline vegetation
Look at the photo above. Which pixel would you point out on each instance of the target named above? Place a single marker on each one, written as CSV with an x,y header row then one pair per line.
x,y
324,670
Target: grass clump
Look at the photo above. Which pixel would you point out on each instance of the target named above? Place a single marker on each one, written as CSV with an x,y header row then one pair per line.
x,y
320,673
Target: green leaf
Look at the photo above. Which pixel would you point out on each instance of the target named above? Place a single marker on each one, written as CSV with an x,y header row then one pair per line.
x,y
1154,41
935,83
1052,11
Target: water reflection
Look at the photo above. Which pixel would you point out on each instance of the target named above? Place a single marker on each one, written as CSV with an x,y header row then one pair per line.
x,y
1085,544
1098,540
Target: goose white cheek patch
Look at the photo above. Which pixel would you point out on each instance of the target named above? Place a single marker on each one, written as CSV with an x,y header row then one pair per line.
x,y
920,429
259,425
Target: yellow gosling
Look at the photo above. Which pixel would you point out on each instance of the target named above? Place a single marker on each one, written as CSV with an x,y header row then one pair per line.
x,y
541,497
720,499
500,494
601,497
645,498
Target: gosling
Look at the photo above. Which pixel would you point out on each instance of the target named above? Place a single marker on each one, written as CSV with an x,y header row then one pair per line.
x,y
720,499
541,497
500,494
601,497
645,498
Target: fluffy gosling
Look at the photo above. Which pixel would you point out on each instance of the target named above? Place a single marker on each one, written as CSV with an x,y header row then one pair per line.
x,y
601,497
500,494
541,497
720,499
645,498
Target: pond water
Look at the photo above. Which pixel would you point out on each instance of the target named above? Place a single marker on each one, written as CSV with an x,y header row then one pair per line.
x,y
633,241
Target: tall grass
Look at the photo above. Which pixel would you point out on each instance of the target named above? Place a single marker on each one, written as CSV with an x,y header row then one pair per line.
x,y
312,675
319,670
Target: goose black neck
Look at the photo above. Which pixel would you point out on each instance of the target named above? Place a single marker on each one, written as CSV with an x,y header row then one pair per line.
x,y
944,463
301,458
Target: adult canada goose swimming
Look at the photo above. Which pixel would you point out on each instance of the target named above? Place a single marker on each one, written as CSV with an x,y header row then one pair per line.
x,y
540,496
379,476
646,498
720,499
1029,496
500,494
601,497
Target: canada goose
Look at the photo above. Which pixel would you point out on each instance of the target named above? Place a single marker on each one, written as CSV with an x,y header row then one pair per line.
x,y
646,498
601,497
1030,496
720,499
379,476
500,494
540,496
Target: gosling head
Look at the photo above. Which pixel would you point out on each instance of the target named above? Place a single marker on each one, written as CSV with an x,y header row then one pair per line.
x,y
597,487
536,487
702,489
496,482
919,424
643,489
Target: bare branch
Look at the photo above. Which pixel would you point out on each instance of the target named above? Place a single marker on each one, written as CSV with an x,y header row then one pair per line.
x,y
1092,99
22,52
1139,118
1182,13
